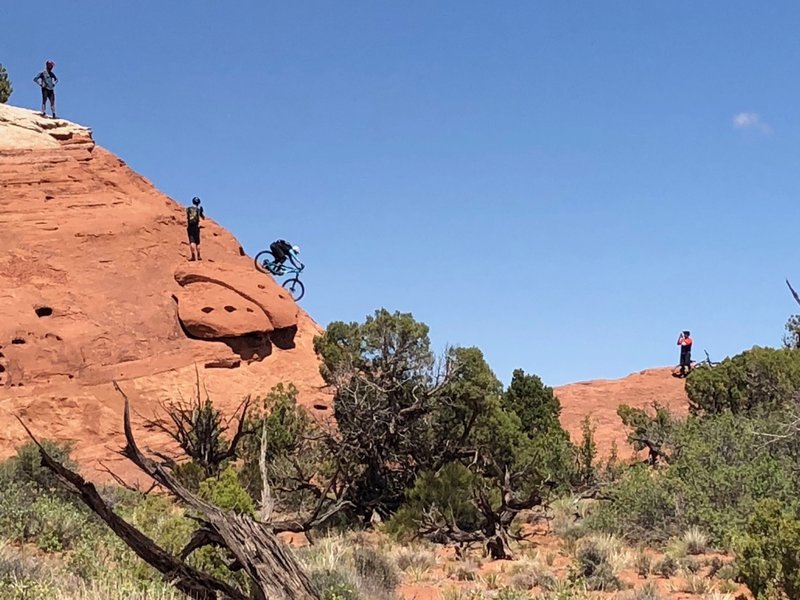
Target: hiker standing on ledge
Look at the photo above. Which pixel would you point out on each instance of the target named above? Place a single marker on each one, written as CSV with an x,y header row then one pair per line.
x,y
685,342
47,80
193,215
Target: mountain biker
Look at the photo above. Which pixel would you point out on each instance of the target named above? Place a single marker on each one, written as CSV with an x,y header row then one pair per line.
x,y
685,342
193,215
281,250
47,80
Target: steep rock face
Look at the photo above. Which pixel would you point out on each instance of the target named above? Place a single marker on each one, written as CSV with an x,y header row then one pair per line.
x,y
95,287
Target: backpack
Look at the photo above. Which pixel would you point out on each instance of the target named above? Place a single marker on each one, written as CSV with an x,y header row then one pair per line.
x,y
193,214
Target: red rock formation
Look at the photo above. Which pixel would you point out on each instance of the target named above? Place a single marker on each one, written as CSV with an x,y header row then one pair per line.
x,y
95,285
600,399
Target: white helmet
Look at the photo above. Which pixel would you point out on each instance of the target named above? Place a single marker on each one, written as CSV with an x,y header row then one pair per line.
x,y
296,249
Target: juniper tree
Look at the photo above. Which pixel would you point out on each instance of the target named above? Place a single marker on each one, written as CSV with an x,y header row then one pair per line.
x,y
6,88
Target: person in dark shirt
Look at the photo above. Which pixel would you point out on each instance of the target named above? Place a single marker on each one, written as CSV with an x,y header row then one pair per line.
x,y
193,215
281,250
47,80
685,342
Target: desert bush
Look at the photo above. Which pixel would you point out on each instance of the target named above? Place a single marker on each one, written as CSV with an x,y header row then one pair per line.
x,y
227,492
592,565
450,489
677,549
644,564
728,572
26,471
511,593
585,455
336,584
343,570
6,89
718,470
377,573
524,580
652,432
649,591
696,541
45,520
690,564
642,508
666,567
760,378
768,554
694,584
714,565
414,557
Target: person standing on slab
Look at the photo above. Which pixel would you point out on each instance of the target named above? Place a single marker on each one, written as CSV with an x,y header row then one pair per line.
x,y
47,80
685,342
193,215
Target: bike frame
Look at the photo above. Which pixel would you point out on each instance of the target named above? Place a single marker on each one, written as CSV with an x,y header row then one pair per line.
x,y
295,268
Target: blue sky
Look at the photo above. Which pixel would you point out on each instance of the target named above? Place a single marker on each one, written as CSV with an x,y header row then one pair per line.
x,y
566,185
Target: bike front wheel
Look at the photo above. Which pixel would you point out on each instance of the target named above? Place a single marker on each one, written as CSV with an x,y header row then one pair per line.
x,y
264,260
295,288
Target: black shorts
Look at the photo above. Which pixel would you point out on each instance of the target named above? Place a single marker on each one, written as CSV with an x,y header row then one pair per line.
x,y
686,359
194,233
48,95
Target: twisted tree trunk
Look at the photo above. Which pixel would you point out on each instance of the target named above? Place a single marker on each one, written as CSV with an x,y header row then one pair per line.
x,y
273,570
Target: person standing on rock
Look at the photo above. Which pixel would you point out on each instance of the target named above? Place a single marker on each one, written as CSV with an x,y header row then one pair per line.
x,y
47,80
193,215
685,342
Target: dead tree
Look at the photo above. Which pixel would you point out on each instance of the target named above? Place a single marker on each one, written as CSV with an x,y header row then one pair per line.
x,y
272,569
199,429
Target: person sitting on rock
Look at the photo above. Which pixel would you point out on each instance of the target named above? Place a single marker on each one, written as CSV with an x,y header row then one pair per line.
x,y
193,215
685,342
281,250
47,80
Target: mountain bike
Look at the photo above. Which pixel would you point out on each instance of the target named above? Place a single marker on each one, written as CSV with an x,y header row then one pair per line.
x,y
266,263
703,364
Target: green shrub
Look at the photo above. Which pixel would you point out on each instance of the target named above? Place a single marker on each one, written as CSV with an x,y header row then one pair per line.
x,y
714,566
649,591
349,571
25,468
718,470
227,492
760,378
592,565
6,88
511,593
450,489
768,554
690,565
666,567
696,541
47,521
728,572
644,564
642,508
56,525
378,575
409,558
335,585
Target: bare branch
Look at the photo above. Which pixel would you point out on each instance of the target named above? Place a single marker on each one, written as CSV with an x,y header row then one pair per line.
x,y
267,501
194,583
795,295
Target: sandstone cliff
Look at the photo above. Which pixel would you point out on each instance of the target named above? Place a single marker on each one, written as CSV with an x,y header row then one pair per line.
x,y
95,287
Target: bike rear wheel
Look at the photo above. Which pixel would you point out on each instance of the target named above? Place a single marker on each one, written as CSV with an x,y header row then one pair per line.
x,y
295,288
262,259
